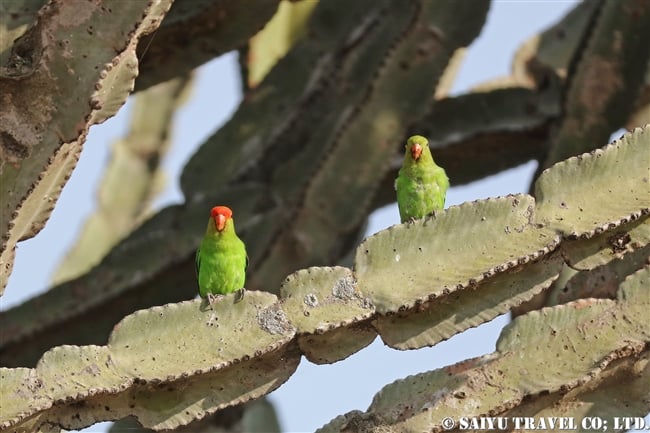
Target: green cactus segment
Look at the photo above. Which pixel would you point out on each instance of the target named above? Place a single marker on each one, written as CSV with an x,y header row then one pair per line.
x,y
36,208
437,320
420,402
168,405
201,343
453,249
424,399
634,288
288,25
130,180
559,43
608,76
633,295
15,19
539,332
591,335
501,129
323,303
275,107
543,299
413,67
449,75
179,356
205,395
320,299
607,246
22,394
554,48
599,282
587,333
337,344
212,27
54,79
114,87
616,175
63,375
260,416
338,424
498,111
72,370
129,424
620,390
641,112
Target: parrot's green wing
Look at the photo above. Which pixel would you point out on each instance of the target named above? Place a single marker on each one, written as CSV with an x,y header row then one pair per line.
x,y
197,263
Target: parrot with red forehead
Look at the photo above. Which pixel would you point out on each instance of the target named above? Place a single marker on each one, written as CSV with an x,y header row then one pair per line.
x,y
421,185
221,258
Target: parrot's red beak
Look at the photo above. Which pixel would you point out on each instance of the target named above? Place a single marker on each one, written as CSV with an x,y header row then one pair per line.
x,y
220,222
416,151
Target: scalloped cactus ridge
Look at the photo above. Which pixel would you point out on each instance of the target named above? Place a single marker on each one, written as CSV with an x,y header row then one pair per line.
x,y
589,341
40,148
150,364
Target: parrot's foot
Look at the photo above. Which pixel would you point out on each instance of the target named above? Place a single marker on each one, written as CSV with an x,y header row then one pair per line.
x,y
239,294
412,220
213,299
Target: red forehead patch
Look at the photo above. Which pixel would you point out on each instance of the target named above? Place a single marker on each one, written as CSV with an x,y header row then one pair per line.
x,y
221,210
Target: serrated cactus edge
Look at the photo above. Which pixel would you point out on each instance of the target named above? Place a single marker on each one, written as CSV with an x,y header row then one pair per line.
x,y
40,143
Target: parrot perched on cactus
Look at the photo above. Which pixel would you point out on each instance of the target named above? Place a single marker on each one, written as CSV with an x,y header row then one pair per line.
x,y
421,185
221,258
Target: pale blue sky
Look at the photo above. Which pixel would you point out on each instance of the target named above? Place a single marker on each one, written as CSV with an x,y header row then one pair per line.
x,y
314,394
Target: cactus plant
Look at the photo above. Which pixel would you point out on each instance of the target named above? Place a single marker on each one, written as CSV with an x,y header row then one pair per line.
x,y
40,146
308,154
162,359
131,179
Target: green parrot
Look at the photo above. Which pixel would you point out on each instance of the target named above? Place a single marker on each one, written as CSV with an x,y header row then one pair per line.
x,y
221,259
421,185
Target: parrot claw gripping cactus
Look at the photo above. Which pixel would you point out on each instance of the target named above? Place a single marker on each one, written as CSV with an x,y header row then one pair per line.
x,y
421,185
239,295
221,259
213,299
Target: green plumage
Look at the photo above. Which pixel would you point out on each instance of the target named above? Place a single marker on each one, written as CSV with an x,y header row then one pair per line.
x,y
220,260
421,185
